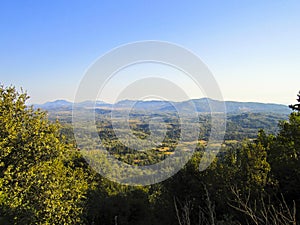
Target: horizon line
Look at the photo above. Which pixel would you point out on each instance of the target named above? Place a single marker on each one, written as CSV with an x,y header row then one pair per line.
x,y
149,100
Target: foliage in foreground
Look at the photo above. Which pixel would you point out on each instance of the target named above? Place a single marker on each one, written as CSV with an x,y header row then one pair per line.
x,y
39,180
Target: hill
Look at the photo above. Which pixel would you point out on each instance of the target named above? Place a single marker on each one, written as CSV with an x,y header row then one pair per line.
x,y
201,105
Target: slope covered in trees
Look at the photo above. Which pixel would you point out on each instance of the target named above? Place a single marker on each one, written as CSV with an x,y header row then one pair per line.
x,y
44,180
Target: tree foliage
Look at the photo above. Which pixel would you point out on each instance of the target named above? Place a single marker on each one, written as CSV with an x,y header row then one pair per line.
x,y
39,183
296,107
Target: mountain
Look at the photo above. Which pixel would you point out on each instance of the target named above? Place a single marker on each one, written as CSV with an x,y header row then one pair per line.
x,y
201,105
142,105
66,105
55,105
92,104
256,107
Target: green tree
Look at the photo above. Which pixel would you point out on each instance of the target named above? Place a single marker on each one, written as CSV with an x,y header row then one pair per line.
x,y
42,179
296,107
284,157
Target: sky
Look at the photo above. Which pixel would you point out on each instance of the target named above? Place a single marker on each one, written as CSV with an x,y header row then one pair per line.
x,y
252,47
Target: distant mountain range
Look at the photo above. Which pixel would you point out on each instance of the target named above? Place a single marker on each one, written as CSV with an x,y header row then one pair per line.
x,y
201,106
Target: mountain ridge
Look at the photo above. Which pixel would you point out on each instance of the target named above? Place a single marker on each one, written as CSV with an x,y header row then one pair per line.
x,y
201,105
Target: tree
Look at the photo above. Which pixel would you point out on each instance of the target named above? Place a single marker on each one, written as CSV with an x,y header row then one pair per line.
x,y
284,157
296,107
42,179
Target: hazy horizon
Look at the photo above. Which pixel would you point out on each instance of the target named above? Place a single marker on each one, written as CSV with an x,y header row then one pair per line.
x,y
61,99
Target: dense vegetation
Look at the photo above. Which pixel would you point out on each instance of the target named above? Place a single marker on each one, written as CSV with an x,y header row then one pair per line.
x,y
44,179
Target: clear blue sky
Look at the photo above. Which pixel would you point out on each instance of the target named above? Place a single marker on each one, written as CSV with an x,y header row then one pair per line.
x,y
251,46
